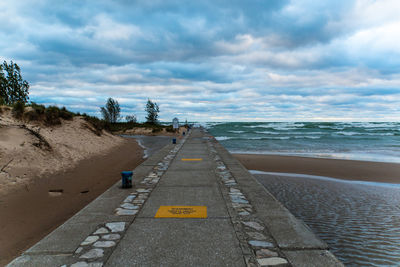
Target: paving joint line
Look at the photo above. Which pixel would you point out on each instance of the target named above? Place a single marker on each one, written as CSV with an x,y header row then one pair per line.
x,y
257,244
107,236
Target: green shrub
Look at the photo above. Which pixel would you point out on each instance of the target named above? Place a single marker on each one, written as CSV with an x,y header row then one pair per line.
x,y
18,109
97,124
65,114
52,114
39,109
156,130
32,115
169,129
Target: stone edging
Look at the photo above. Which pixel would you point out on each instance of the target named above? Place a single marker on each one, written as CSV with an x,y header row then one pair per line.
x,y
258,246
98,246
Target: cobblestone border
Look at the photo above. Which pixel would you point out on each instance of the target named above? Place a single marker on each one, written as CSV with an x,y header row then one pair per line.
x,y
99,245
258,246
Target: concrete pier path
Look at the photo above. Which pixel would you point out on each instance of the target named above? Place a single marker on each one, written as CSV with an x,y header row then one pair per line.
x,y
192,204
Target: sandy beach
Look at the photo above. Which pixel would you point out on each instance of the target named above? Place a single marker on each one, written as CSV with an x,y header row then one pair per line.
x,y
30,212
335,168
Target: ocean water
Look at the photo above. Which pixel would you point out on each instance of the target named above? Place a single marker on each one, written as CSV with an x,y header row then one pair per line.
x,y
360,221
371,141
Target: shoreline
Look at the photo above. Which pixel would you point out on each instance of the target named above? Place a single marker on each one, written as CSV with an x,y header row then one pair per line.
x,y
354,170
30,212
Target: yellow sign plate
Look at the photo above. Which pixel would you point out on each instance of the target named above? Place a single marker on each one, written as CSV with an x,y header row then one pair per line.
x,y
182,212
195,159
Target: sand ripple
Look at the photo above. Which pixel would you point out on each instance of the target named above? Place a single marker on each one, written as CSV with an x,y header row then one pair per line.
x,y
360,223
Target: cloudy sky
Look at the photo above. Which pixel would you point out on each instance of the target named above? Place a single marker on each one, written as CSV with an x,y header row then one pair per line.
x,y
270,60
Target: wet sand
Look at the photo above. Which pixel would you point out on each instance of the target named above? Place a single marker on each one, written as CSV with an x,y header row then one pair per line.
x,y
335,168
31,212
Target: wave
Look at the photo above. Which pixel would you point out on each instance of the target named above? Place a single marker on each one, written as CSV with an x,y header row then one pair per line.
x,y
236,132
221,138
266,132
291,133
307,137
367,134
347,133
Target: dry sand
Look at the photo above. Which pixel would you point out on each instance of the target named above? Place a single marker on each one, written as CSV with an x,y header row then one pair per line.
x,y
29,213
335,168
47,174
29,149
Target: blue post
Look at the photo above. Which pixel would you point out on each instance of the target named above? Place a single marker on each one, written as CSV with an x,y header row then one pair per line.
x,y
183,133
174,140
126,179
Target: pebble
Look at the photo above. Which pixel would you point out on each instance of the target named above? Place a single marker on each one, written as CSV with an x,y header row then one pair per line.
x,y
129,198
238,205
100,231
122,212
116,226
265,253
111,237
234,190
129,206
78,250
239,200
104,244
244,213
93,253
89,240
236,194
85,264
142,190
254,225
262,244
255,235
271,261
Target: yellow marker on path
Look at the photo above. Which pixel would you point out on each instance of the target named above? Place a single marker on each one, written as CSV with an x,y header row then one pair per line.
x,y
195,159
182,212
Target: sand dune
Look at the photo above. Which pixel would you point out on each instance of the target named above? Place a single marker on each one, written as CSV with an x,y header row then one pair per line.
x,y
31,149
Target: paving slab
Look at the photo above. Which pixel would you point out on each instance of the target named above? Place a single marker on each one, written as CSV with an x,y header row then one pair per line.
x,y
205,164
40,260
312,258
204,177
234,201
186,196
288,231
178,242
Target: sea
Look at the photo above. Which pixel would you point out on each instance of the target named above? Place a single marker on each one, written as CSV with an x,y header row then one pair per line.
x,y
368,141
360,221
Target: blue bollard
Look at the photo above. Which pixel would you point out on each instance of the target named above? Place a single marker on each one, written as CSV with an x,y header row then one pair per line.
x,y
183,133
126,179
174,140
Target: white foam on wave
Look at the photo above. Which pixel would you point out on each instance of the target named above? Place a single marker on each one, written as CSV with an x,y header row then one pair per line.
x,y
368,134
347,133
307,137
221,138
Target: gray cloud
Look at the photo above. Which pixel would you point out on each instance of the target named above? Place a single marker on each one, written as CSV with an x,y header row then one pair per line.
x,y
211,60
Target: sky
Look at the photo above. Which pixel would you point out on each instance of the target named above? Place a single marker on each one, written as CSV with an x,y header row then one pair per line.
x,y
271,60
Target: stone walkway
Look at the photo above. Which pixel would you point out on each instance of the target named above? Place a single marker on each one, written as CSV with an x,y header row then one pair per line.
x,y
210,212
